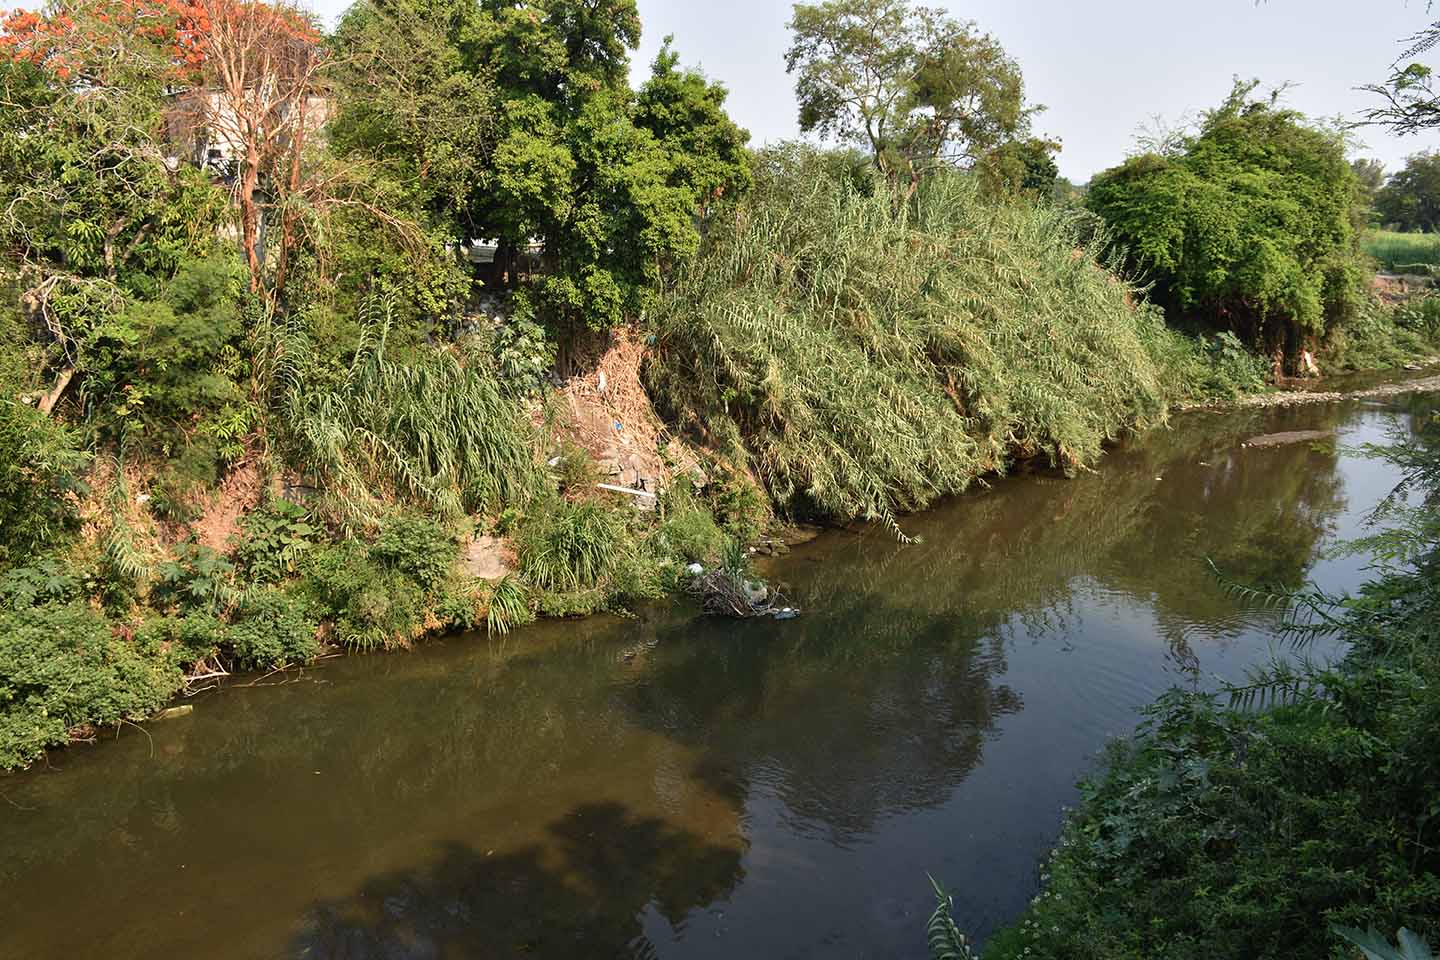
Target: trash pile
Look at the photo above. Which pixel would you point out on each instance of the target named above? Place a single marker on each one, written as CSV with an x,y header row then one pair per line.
x,y
725,592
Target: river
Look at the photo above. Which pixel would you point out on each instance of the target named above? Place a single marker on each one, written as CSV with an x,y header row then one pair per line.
x,y
671,786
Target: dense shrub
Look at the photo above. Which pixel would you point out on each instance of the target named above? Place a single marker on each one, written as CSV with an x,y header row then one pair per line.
x,y
430,429
276,537
47,581
159,368
1381,338
1245,224
419,549
63,667
570,546
40,465
271,629
197,577
1205,368
868,354
688,530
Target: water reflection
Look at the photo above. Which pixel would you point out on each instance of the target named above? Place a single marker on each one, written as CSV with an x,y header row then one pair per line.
x,y
582,894
672,786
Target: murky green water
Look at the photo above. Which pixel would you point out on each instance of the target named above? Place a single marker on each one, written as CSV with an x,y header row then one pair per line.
x,y
675,787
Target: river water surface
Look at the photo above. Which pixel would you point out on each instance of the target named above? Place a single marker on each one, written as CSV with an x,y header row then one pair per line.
x,y
670,786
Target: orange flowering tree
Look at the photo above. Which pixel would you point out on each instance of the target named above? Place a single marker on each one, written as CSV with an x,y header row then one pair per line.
x,y
237,76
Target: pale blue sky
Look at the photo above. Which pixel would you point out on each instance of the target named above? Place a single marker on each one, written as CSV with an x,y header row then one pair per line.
x,y
1103,67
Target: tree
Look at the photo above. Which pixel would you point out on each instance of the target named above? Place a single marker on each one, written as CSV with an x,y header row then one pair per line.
x,y
252,88
608,180
913,85
1021,167
1409,101
1246,224
1410,199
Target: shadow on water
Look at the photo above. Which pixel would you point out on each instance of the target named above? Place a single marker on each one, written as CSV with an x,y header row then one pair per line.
x,y
585,894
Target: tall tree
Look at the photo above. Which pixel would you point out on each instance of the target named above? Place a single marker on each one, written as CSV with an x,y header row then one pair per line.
x,y
1247,224
915,86
610,182
1410,199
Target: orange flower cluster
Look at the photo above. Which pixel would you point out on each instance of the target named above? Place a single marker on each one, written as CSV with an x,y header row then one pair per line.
x,y
55,41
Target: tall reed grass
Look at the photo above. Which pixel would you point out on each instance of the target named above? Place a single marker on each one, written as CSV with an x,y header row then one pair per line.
x,y
431,429
865,354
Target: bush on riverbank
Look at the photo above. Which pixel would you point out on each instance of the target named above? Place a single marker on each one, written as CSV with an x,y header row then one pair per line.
x,y
1245,225
1253,829
864,353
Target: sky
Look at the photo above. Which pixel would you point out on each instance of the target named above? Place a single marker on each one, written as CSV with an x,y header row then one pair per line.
x,y
1103,69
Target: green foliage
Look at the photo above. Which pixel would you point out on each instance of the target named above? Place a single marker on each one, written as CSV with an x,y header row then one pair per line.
x,y
155,367
864,355
526,116
1420,315
387,594
276,537
688,530
524,354
508,606
40,466
272,629
418,549
197,577
86,195
1382,338
1206,368
1246,224
196,636
1410,199
1403,252
48,581
62,667
570,546
429,429
1375,947
942,933
913,85
367,607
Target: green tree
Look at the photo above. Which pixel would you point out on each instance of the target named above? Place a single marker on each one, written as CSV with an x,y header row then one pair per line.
x,y
1369,178
1246,224
913,85
1021,167
608,181
1410,199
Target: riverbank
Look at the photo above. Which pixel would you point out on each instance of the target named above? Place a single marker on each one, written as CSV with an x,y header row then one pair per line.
x,y
694,788
1292,811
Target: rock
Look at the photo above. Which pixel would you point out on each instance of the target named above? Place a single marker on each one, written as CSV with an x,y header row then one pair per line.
x,y
484,559
174,713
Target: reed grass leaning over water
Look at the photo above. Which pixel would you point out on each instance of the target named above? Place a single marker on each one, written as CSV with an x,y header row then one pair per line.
x,y
430,429
865,354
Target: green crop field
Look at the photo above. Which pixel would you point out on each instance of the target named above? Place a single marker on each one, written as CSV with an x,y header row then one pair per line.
x,y
1403,252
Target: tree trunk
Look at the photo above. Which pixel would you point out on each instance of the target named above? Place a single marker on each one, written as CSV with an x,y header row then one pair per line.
x,y
250,218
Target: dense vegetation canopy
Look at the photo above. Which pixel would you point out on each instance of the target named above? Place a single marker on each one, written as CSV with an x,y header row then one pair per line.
x,y
1247,224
